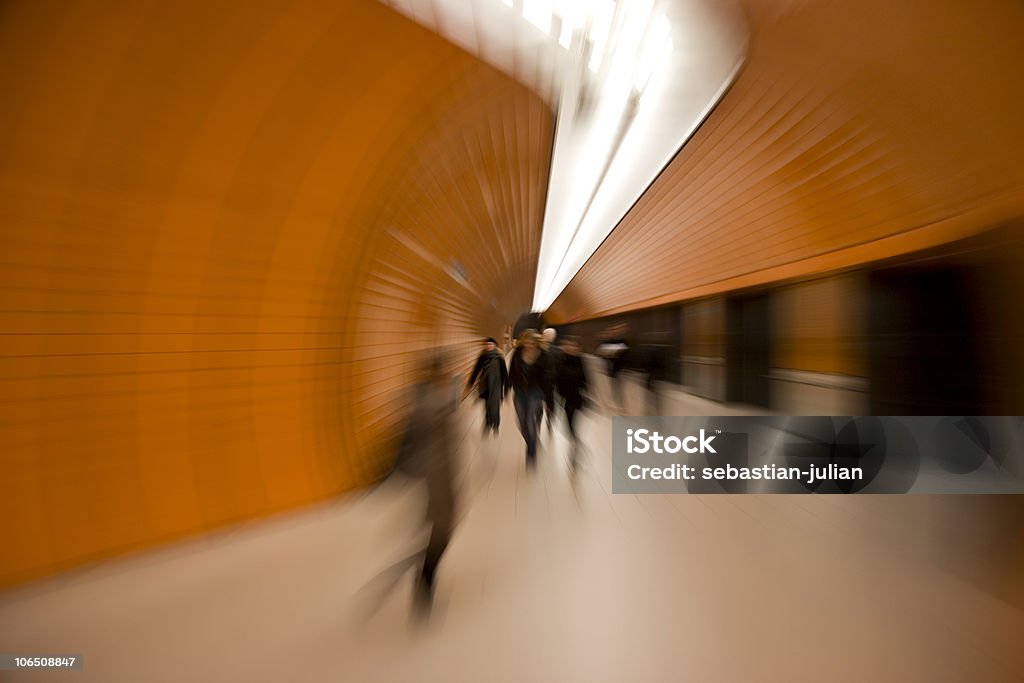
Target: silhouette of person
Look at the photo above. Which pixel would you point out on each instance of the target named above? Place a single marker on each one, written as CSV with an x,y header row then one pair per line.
x,y
553,358
572,387
491,379
426,454
528,377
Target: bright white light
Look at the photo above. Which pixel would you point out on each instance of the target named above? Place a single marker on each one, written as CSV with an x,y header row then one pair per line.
x,y
538,13
567,10
565,37
661,30
606,155
654,51
630,28
679,55
600,27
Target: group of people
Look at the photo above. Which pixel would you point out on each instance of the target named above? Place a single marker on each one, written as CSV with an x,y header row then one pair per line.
x,y
541,374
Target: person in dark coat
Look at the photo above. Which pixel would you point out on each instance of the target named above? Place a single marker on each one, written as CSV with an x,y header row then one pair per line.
x,y
653,362
528,375
615,349
553,360
426,454
572,386
491,379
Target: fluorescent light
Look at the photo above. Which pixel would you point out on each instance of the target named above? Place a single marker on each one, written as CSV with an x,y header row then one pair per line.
x,y
630,28
678,55
567,12
654,52
604,160
600,27
538,13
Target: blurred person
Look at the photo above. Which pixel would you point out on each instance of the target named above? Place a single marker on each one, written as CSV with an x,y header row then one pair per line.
x,y
572,387
490,375
652,360
426,454
614,348
648,358
553,359
528,376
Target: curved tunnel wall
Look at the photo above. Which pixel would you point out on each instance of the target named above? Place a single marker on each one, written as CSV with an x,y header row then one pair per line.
x,y
228,231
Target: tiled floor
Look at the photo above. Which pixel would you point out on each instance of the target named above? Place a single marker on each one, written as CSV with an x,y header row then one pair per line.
x,y
548,579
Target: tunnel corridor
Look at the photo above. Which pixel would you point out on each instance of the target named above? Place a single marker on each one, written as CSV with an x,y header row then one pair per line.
x,y
230,232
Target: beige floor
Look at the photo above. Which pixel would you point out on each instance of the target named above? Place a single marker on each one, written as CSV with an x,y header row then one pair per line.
x,y
547,579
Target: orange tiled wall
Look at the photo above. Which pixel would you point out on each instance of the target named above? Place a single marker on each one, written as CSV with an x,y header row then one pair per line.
x,y
204,313
821,325
704,328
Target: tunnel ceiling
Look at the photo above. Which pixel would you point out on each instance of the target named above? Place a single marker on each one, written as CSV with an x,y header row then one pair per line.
x,y
857,130
629,81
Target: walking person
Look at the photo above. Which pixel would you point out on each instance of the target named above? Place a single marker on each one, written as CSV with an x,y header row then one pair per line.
x,y
491,379
426,454
572,387
528,377
615,349
553,359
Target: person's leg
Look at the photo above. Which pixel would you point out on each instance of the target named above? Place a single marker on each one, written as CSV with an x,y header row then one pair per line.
x,y
487,417
423,597
490,419
520,406
652,395
439,536
439,514
527,421
616,386
549,407
499,396
540,415
533,405
570,419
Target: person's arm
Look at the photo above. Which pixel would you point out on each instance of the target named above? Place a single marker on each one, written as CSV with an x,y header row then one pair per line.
x,y
563,376
586,399
513,368
476,371
554,364
504,378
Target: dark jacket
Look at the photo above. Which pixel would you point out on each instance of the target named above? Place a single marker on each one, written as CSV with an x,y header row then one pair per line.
x,y
555,356
427,448
572,381
525,377
491,371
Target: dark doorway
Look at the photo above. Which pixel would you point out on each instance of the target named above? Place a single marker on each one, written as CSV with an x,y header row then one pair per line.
x,y
748,349
922,359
